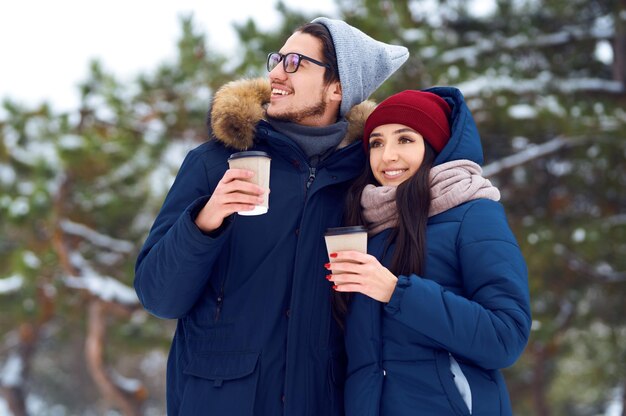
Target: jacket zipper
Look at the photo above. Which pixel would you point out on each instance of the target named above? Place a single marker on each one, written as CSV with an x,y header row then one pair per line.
x,y
220,300
311,177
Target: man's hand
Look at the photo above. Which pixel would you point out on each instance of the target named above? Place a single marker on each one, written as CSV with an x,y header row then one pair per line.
x,y
232,194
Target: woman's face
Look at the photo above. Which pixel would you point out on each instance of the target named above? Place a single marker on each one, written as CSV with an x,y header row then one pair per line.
x,y
396,153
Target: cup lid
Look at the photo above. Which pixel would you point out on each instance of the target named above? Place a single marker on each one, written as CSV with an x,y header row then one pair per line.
x,y
346,230
249,153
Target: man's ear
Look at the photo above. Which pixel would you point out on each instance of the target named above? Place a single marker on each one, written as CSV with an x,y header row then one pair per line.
x,y
334,91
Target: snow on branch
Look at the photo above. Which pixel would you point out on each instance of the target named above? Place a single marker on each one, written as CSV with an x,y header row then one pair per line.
x,y
483,46
11,373
525,156
589,84
96,238
103,287
544,82
602,271
11,284
565,315
126,384
614,220
124,171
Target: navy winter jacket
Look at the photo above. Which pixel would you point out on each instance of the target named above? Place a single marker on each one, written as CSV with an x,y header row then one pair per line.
x,y
255,334
472,303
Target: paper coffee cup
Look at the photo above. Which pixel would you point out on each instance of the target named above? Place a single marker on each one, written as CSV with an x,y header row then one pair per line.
x,y
346,238
259,163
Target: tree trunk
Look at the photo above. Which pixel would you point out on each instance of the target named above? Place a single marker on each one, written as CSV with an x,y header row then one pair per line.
x,y
128,404
619,45
539,382
29,334
14,397
624,399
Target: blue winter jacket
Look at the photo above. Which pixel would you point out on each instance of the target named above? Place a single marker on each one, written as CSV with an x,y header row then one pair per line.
x,y
471,303
255,334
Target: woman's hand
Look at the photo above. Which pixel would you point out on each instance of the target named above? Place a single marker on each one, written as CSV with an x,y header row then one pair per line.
x,y
357,272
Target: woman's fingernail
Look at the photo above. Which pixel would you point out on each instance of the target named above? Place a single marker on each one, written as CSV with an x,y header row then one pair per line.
x,y
327,265
328,277
335,287
333,255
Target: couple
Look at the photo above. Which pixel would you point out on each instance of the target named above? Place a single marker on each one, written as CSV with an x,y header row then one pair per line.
x,y
422,323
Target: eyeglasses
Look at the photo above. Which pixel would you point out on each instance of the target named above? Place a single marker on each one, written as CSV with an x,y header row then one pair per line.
x,y
291,61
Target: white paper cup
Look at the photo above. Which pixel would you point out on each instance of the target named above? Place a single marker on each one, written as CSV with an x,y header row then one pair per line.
x,y
259,163
346,238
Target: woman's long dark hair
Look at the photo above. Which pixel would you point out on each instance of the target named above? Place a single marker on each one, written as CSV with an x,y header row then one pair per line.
x,y
413,202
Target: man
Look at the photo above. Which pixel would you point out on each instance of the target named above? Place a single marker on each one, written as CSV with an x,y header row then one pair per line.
x,y
255,333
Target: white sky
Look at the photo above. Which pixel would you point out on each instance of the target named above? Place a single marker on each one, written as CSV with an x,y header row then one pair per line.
x,y
45,45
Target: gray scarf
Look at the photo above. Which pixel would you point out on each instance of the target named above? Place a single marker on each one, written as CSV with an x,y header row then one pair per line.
x,y
314,141
451,184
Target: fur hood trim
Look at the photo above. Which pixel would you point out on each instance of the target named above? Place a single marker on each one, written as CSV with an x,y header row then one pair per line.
x,y
239,105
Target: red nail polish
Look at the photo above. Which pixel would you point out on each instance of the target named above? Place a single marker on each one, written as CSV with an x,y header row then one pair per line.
x,y
333,255
327,265
328,277
335,287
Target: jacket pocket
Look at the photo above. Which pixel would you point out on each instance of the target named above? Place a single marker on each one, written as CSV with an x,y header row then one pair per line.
x,y
486,399
461,382
450,388
485,391
220,383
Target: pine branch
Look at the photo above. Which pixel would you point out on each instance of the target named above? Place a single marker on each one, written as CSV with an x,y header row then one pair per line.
x,y
106,288
95,238
601,272
539,85
517,42
527,155
615,220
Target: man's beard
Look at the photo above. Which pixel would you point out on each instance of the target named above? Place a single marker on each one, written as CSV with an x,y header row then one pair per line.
x,y
297,116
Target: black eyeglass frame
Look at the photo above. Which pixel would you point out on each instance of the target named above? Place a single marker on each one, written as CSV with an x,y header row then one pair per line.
x,y
284,61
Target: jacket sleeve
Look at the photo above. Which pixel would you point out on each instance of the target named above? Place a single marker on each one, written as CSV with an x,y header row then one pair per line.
x,y
174,264
488,326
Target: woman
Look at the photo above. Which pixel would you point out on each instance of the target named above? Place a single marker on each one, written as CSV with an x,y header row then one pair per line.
x,y
441,301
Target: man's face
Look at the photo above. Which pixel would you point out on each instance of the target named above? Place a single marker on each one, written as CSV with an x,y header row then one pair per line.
x,y
301,97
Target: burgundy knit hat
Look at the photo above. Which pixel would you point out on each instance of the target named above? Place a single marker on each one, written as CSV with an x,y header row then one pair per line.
x,y
424,112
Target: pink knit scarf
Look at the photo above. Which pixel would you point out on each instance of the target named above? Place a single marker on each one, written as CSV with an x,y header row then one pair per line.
x,y
451,184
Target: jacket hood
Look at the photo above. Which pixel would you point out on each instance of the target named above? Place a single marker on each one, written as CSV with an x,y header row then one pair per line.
x,y
238,107
464,140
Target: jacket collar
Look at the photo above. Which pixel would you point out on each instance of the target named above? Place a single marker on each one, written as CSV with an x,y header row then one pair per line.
x,y
238,106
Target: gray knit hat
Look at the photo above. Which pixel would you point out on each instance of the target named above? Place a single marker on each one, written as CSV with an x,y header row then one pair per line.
x,y
364,63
